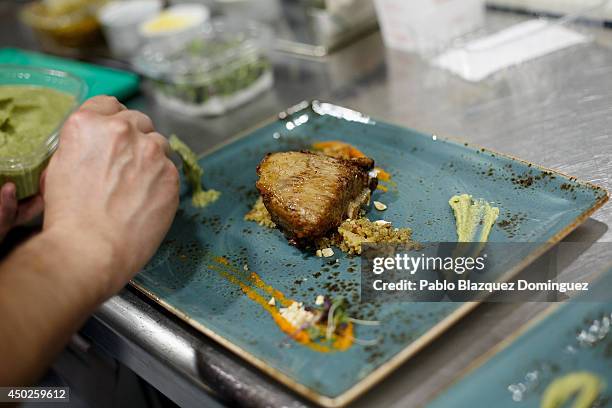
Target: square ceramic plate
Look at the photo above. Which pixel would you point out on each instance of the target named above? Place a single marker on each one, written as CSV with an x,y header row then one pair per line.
x,y
568,338
198,272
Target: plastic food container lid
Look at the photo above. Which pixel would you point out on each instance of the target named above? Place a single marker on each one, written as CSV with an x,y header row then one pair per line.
x,y
125,13
220,43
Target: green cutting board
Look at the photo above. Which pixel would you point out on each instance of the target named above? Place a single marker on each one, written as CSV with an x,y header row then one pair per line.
x,y
100,80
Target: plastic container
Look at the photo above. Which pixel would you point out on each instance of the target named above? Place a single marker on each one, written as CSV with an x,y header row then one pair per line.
x,y
24,168
221,68
208,3
265,11
71,24
176,22
427,26
121,21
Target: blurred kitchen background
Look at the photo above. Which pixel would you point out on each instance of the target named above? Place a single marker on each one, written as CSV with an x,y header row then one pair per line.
x,y
527,77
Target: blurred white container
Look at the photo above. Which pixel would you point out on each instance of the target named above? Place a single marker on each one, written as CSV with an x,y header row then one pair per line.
x,y
267,11
208,3
120,21
175,23
427,25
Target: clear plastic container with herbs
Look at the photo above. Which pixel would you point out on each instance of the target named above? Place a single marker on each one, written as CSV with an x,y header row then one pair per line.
x,y
223,66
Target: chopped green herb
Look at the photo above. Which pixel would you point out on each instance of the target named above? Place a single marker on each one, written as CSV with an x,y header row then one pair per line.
x,y
226,75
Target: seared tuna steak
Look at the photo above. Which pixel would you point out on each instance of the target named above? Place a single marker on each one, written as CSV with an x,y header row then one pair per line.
x,y
309,194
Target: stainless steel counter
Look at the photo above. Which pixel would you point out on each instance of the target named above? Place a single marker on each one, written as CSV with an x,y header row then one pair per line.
x,y
555,111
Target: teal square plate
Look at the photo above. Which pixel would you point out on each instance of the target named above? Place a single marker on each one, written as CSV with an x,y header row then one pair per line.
x,y
570,338
198,271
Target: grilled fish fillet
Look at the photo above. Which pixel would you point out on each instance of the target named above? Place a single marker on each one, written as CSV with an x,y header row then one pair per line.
x,y
309,194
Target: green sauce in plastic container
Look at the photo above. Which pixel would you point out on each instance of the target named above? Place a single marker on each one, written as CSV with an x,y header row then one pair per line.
x,y
33,106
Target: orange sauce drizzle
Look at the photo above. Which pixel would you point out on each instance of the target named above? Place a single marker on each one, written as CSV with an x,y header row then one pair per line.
x,y
337,148
256,281
341,341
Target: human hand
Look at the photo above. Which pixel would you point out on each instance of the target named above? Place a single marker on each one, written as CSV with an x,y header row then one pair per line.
x,y
14,213
110,191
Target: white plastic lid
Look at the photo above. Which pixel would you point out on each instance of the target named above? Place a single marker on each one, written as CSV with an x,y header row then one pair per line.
x,y
124,13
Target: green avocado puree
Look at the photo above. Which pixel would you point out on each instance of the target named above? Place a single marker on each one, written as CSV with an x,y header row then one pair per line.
x,y
28,117
193,173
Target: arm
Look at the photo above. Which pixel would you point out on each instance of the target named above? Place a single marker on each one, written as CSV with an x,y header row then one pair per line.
x,y
44,298
110,195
